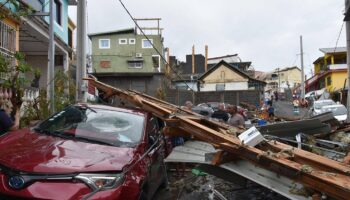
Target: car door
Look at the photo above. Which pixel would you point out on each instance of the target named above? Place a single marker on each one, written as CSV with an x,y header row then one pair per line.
x,y
156,155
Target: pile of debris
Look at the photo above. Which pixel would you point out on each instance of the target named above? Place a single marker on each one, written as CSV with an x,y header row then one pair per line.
x,y
319,174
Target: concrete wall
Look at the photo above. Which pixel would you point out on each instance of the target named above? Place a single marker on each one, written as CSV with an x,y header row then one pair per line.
x,y
228,86
338,79
179,97
40,62
119,54
60,30
145,84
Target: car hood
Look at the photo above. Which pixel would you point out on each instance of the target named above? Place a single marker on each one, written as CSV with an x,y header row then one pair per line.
x,y
33,152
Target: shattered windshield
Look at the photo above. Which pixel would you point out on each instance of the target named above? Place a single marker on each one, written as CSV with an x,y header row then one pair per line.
x,y
95,126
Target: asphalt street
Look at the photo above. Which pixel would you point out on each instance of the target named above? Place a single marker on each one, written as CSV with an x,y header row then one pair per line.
x,y
284,109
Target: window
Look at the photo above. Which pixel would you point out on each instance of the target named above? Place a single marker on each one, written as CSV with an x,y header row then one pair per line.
x,y
135,64
123,41
132,41
7,46
156,61
222,75
220,87
104,43
105,64
147,43
57,11
329,81
7,40
70,38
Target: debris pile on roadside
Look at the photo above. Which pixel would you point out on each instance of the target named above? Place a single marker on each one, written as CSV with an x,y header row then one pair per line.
x,y
319,174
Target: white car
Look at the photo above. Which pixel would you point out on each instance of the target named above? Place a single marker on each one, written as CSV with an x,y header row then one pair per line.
x,y
339,111
317,106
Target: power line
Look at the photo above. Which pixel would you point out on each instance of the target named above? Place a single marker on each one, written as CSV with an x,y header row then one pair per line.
x,y
295,60
143,33
336,43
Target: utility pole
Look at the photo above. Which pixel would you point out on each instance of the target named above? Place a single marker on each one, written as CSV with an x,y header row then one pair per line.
x,y
279,81
302,68
347,27
51,63
81,52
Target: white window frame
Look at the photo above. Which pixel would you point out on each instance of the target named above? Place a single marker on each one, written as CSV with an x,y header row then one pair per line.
x,y
101,47
123,43
135,67
149,46
132,41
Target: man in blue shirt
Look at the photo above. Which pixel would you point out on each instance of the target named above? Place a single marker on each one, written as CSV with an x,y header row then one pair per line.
x,y
6,123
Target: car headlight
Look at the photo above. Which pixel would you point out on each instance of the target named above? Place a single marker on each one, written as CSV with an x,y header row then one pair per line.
x,y
97,181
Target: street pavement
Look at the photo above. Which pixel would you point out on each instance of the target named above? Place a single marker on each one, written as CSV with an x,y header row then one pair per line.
x,y
284,110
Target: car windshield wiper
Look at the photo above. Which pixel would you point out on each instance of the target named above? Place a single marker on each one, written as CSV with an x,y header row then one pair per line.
x,y
89,108
94,141
63,134
44,131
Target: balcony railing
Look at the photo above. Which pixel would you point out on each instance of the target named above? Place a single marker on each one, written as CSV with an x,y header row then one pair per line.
x,y
35,4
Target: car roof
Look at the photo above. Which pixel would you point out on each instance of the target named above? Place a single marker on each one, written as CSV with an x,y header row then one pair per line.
x,y
333,106
324,100
133,110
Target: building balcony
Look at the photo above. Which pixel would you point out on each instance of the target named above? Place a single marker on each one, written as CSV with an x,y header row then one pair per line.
x,y
337,66
37,5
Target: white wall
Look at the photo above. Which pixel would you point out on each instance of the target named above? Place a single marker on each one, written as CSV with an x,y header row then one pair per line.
x,y
228,86
40,62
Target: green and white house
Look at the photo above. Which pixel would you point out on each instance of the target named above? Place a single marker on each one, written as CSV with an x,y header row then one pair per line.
x,y
126,59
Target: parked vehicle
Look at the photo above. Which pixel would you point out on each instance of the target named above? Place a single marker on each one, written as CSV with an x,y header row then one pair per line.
x,y
215,105
317,105
203,110
339,111
100,151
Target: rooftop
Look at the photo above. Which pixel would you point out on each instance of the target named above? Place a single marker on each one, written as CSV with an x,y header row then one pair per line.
x,y
333,50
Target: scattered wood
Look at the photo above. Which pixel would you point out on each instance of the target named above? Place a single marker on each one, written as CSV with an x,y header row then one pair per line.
x,y
311,170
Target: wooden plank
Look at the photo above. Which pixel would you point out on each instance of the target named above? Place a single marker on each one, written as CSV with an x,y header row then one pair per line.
x,y
317,172
312,159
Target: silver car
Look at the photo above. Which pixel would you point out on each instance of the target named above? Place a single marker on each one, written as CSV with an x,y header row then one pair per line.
x,y
317,106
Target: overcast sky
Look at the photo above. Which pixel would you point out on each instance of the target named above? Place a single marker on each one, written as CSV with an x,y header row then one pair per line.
x,y
265,32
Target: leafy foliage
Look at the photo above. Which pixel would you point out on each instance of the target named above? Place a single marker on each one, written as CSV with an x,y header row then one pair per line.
x,y
14,9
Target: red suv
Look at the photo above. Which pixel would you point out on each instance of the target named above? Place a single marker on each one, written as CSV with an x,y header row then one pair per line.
x,y
85,152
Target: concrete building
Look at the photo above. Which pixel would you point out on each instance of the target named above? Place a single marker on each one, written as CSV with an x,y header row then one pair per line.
x,y
30,35
330,71
281,78
126,59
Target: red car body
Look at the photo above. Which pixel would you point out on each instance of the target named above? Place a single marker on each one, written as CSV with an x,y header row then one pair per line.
x,y
43,166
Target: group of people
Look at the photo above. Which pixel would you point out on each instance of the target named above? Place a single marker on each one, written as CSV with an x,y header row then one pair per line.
x,y
229,115
303,103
